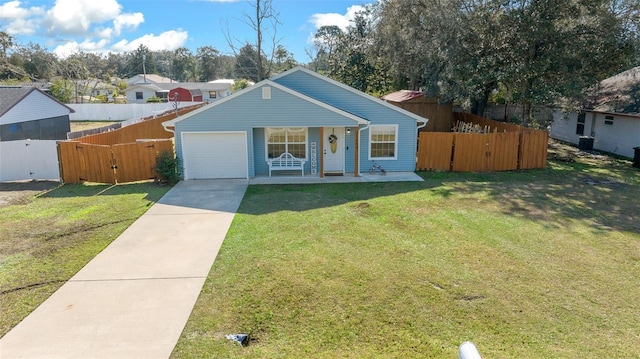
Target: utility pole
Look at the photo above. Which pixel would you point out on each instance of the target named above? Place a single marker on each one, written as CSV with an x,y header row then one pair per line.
x,y
144,69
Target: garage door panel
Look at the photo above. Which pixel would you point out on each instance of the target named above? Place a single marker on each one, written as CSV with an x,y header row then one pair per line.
x,y
215,155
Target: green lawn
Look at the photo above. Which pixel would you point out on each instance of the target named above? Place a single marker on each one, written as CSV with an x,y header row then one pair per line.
x,y
46,239
532,264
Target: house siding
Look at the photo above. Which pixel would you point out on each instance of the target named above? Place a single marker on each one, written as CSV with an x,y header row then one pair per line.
x,y
282,110
564,126
368,108
619,138
146,93
34,106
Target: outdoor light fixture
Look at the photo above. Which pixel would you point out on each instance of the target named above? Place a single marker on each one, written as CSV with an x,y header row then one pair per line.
x,y
348,130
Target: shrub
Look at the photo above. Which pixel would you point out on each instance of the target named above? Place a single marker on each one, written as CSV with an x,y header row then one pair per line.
x,y
167,168
154,99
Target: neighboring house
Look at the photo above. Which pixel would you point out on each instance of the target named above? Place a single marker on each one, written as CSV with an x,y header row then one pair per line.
x,y
440,115
140,93
187,91
336,129
610,119
30,113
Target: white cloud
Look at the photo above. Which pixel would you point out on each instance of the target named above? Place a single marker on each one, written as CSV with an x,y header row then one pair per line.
x,y
342,21
168,40
127,21
75,17
72,47
19,19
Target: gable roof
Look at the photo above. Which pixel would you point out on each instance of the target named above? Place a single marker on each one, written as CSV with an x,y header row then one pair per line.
x,y
276,85
11,96
619,94
352,90
150,78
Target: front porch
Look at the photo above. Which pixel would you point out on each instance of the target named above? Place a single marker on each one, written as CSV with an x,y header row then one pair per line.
x,y
347,178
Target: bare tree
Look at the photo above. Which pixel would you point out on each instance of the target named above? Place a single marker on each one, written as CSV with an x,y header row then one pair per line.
x,y
264,21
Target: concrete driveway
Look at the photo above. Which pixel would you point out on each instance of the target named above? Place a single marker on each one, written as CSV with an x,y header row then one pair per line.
x,y
134,298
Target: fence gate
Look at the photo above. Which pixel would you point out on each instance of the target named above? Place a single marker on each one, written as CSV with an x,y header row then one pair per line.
x,y
82,162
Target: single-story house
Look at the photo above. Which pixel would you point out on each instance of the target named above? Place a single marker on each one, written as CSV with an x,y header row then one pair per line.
x,y
610,120
187,91
298,121
30,113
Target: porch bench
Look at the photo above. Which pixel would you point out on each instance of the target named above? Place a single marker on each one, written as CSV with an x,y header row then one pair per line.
x,y
286,162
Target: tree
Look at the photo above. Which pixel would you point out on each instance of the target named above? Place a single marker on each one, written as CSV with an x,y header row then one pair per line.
x,y
38,62
62,90
208,59
6,43
141,61
327,39
353,62
532,51
283,60
72,69
183,64
264,21
246,63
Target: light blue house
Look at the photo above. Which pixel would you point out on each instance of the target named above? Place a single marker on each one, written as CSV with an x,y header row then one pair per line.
x,y
322,127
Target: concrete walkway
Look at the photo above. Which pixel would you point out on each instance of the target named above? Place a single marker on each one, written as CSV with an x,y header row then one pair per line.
x,y
134,298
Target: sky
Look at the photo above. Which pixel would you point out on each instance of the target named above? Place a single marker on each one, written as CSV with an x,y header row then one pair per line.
x,y
65,27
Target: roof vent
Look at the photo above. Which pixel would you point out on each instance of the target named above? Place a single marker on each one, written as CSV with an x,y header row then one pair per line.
x,y
266,93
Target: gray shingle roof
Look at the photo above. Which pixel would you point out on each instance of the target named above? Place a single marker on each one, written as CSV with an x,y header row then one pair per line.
x,y
10,96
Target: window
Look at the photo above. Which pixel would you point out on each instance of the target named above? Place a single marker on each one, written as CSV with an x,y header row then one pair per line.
x,y
382,142
138,95
281,140
608,120
213,94
580,125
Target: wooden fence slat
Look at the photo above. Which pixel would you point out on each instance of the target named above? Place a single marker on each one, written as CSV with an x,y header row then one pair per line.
x,y
502,147
434,151
503,152
470,152
533,150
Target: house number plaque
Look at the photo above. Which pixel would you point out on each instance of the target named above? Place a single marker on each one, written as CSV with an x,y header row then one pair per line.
x,y
314,161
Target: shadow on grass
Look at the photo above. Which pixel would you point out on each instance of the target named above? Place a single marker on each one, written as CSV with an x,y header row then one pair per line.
x,y
606,196
153,192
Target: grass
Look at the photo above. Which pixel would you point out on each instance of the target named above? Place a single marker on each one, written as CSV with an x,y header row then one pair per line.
x,y
89,125
47,238
532,264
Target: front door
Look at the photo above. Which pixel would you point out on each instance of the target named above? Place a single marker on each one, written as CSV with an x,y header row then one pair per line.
x,y
333,150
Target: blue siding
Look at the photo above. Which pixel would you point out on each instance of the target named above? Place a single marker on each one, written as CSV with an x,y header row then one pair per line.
x,y
260,164
363,106
249,112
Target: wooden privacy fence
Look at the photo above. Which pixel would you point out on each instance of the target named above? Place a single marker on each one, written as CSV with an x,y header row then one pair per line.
x,y
148,129
127,154
80,162
504,148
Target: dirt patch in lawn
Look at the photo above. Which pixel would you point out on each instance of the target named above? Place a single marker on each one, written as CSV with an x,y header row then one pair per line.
x,y
23,191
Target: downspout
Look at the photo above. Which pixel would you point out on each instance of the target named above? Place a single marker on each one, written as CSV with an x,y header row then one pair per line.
x,y
360,129
424,123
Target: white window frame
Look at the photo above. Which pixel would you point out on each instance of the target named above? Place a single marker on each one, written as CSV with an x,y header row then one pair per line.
x,y
286,143
395,149
608,120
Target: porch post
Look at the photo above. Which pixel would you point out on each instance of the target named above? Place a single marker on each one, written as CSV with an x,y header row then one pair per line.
x,y
357,152
321,152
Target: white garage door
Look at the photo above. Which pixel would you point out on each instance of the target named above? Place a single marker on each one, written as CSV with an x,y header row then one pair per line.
x,y
210,155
